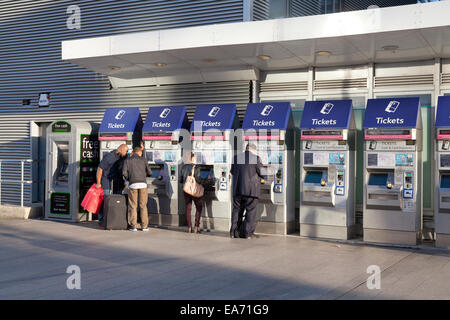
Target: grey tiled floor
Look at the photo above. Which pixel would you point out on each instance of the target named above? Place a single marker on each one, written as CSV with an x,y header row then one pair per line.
x,y
165,264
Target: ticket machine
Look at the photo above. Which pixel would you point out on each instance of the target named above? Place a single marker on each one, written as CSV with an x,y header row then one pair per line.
x,y
72,160
327,170
162,136
442,175
392,211
270,127
212,135
120,125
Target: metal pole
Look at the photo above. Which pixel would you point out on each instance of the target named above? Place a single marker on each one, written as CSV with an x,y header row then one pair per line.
x,y
21,185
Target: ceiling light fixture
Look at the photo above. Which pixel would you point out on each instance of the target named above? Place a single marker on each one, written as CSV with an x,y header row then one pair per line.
x,y
160,64
264,57
323,53
390,48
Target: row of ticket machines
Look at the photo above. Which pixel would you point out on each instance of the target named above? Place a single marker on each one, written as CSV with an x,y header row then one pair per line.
x,y
392,208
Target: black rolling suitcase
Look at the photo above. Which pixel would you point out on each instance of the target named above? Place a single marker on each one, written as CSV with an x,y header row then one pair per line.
x,y
115,212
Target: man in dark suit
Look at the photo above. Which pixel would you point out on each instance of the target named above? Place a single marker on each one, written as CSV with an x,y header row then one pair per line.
x,y
246,171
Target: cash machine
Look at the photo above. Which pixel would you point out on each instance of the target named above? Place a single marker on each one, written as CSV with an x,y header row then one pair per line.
x,y
269,126
442,173
392,211
212,135
72,160
120,125
327,170
162,136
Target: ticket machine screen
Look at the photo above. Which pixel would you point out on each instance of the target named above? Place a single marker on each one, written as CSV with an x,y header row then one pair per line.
x,y
156,170
206,173
445,181
378,179
313,177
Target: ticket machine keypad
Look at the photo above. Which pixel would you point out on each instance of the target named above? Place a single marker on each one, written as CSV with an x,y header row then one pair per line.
x,y
223,180
340,182
278,186
173,173
408,184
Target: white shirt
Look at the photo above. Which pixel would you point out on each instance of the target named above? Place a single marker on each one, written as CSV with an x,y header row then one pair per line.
x,y
138,185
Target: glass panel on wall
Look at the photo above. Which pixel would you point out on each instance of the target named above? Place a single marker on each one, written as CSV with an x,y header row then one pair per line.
x,y
278,9
427,156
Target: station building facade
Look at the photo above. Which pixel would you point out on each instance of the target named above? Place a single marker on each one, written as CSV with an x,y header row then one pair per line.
x,y
92,55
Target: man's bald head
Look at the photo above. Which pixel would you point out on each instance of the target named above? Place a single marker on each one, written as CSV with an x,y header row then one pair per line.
x,y
122,150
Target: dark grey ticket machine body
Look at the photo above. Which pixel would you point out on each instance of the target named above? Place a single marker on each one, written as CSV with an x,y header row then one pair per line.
x,y
327,170
72,159
442,173
392,171
163,136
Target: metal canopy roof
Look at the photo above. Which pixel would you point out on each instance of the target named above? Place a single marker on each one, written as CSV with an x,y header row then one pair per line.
x,y
230,51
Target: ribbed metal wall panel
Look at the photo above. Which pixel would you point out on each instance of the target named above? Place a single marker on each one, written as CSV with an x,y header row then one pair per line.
x,y
350,5
340,84
30,62
299,8
283,86
416,80
15,129
445,79
261,9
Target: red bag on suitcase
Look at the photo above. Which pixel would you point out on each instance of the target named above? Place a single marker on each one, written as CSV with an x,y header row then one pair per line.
x,y
93,200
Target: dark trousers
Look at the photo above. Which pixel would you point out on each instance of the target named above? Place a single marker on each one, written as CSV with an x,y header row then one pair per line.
x,y
241,204
198,209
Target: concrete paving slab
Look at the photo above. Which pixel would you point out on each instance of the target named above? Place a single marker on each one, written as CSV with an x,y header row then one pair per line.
x,y
170,264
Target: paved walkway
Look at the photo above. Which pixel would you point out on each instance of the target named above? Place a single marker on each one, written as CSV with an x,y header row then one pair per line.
x,y
164,264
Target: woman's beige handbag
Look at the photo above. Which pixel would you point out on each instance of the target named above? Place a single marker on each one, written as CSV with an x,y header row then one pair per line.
x,y
193,188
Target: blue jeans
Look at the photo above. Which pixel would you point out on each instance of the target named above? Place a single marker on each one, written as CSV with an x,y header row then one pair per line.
x,y
100,214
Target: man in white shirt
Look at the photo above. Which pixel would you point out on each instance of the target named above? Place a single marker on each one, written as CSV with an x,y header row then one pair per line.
x,y
136,171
